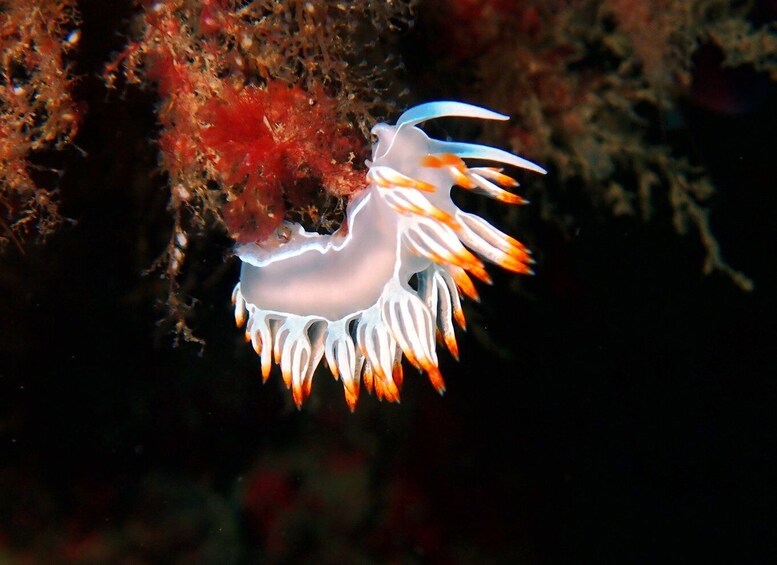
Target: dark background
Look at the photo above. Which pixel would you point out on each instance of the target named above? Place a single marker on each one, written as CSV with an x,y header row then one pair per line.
x,y
616,407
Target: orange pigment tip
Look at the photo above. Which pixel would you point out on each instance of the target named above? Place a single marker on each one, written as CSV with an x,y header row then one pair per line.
x,y
458,315
435,377
351,398
397,374
496,175
240,317
450,343
390,178
465,284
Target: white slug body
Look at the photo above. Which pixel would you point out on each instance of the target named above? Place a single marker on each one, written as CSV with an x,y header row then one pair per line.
x,y
347,297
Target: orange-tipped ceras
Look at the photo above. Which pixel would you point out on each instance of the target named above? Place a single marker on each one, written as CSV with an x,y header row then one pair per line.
x,y
347,297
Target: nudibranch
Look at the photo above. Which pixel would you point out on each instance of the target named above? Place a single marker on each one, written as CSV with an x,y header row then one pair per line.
x,y
387,283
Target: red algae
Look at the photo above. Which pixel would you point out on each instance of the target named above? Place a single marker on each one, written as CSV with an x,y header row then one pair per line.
x,y
37,111
277,143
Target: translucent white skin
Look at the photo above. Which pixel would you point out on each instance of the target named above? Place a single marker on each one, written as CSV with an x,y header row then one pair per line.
x,y
302,291
326,276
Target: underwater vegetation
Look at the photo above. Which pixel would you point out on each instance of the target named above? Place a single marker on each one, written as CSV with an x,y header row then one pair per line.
x,y
610,407
597,88
37,113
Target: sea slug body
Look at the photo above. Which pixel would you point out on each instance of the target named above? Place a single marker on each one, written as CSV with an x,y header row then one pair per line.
x,y
388,281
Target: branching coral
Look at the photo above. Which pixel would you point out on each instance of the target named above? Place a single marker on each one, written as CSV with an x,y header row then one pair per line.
x,y
594,84
37,111
261,107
